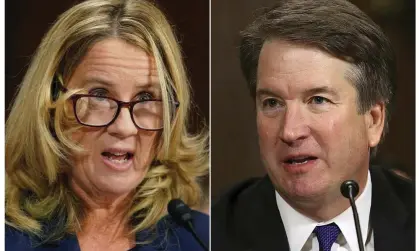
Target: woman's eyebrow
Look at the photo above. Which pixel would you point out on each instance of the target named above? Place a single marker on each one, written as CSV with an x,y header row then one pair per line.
x,y
108,83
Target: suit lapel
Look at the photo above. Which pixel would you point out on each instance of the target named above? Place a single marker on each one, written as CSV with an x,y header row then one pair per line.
x,y
263,227
260,227
389,217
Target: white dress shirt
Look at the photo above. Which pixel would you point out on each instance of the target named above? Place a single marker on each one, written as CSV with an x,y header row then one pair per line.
x,y
299,228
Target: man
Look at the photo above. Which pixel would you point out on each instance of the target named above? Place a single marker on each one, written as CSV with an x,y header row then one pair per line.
x,y
322,75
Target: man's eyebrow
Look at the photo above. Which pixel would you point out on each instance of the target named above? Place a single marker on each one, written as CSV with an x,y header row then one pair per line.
x,y
321,89
265,92
308,92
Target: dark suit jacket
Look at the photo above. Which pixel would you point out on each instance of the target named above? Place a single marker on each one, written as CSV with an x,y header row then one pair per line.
x,y
171,237
247,218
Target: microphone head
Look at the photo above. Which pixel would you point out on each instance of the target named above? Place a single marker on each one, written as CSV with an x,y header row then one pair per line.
x,y
179,211
349,186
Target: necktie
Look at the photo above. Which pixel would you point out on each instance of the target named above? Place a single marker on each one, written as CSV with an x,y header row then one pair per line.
x,y
327,235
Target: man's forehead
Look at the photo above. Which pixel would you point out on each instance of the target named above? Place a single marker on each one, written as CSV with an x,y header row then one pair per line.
x,y
280,58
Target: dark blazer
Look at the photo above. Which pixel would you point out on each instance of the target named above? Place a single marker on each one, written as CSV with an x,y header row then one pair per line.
x,y
177,238
247,218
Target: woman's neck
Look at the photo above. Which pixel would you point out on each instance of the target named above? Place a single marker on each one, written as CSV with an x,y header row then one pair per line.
x,y
102,232
104,215
105,226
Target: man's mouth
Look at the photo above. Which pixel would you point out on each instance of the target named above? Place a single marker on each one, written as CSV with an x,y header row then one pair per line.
x,y
299,160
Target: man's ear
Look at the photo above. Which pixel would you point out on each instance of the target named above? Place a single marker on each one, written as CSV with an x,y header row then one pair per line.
x,y
375,120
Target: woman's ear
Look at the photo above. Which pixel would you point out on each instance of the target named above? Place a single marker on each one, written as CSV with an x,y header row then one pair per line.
x,y
375,120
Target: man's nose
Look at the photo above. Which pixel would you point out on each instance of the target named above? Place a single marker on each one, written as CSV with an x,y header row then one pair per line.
x,y
294,127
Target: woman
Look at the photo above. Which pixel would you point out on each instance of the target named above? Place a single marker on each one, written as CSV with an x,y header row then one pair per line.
x,y
97,142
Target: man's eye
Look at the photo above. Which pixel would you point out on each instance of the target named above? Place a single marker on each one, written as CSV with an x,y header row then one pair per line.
x,y
270,103
318,100
144,96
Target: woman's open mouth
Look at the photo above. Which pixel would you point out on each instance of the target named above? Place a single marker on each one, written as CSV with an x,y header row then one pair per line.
x,y
120,161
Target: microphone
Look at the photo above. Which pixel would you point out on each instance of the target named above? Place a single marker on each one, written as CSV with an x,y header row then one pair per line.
x,y
181,213
350,190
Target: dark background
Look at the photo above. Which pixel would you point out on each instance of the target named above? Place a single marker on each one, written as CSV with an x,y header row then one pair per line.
x,y
28,20
234,145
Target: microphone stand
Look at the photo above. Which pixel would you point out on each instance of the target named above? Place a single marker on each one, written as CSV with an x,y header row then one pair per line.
x,y
350,189
191,230
181,213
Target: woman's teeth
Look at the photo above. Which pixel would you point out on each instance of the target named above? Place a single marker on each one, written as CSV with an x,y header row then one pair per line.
x,y
118,158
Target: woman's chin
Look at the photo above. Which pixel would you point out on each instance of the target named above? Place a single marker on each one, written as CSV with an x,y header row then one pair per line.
x,y
115,189
117,185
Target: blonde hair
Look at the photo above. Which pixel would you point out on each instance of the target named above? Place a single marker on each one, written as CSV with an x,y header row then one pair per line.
x,y
38,146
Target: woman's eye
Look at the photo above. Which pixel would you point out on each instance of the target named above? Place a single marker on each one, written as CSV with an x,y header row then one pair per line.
x,y
99,92
144,96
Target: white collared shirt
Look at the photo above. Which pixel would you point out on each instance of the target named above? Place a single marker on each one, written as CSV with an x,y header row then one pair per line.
x,y
299,228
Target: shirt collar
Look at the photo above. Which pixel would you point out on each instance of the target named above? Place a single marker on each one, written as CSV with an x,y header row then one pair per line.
x,y
299,227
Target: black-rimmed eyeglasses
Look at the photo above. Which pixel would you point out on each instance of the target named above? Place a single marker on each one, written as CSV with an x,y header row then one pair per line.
x,y
101,111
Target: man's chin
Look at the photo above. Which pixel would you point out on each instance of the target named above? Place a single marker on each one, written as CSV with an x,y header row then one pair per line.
x,y
305,188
